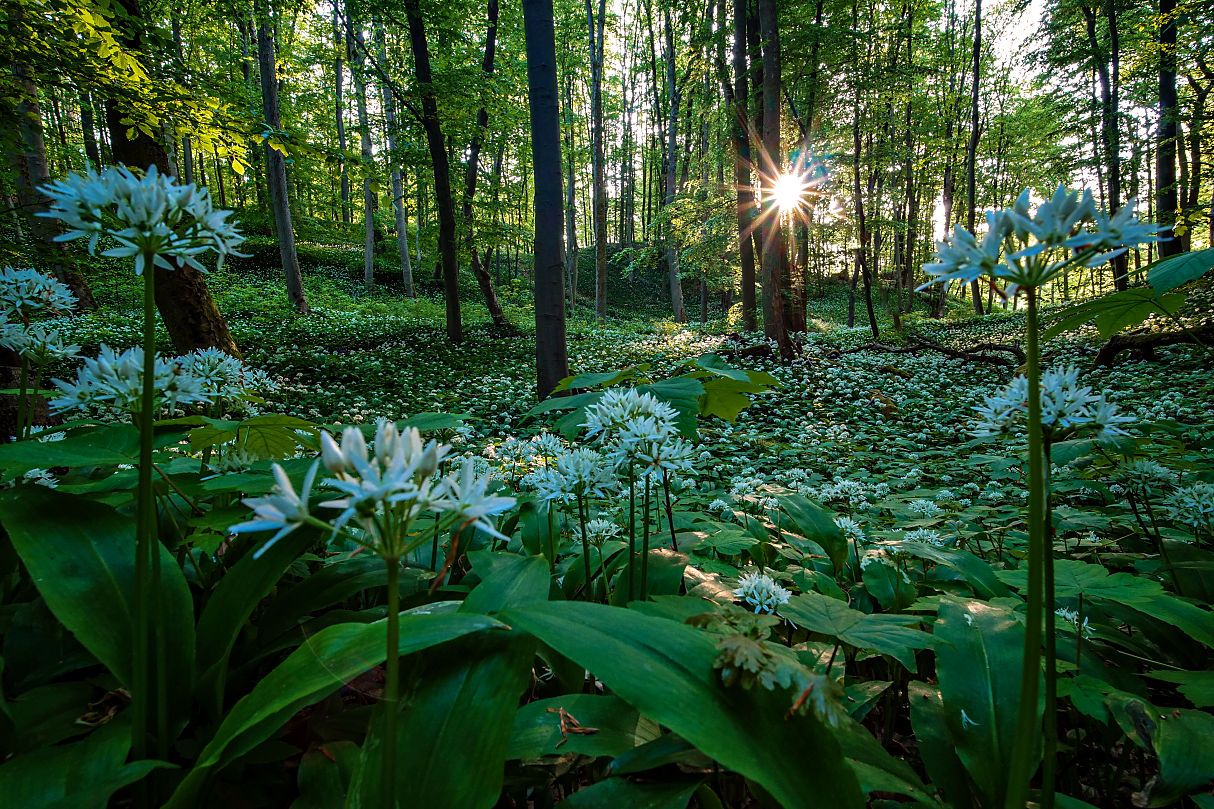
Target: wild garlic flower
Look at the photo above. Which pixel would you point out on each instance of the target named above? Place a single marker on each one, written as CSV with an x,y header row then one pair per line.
x,y
115,380
283,509
578,473
852,530
150,217
28,292
225,377
1146,476
1192,506
619,408
38,342
924,508
1066,404
1072,617
466,495
760,591
927,536
1027,248
599,531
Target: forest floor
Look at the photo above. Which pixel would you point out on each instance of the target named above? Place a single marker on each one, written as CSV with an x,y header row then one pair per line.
x,y
871,415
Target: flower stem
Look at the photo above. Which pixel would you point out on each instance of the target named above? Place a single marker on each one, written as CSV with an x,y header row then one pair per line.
x,y
674,543
1050,753
391,686
29,411
581,515
632,534
23,401
1028,729
645,542
145,529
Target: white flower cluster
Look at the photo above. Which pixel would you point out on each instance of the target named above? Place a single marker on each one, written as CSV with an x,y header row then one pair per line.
x,y
114,381
759,590
1072,617
1192,505
1066,404
150,217
927,536
579,473
224,377
1056,223
852,530
28,292
599,531
385,486
638,429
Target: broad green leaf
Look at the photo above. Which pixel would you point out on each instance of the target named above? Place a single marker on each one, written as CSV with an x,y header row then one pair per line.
x,y
507,580
887,634
978,665
978,574
1176,271
816,524
1093,582
605,379
616,725
327,659
617,793
325,774
713,363
81,556
889,585
665,670
273,436
80,775
1185,746
683,394
100,446
940,759
1196,686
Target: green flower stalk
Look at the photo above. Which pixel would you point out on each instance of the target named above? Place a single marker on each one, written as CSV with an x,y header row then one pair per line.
x,y
1025,250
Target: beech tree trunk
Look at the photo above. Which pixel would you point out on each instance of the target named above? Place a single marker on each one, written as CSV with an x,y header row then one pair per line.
x,y
339,79
1167,200
552,363
671,166
597,50
474,153
971,152
276,165
398,193
354,54
741,166
775,251
448,254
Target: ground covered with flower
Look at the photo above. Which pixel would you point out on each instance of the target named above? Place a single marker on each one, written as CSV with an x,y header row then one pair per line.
x,y
708,577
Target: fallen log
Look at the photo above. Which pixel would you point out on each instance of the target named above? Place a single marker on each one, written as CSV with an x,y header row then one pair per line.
x,y
1146,342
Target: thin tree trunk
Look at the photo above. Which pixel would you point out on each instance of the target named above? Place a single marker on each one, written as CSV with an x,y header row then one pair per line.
x,y
741,165
276,167
1167,202
597,52
449,259
775,251
398,193
354,55
671,166
971,152
339,78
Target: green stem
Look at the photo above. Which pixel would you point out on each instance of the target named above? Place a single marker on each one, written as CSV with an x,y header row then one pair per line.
x,y
1028,729
391,686
23,402
581,515
674,543
632,534
145,533
645,541
1049,767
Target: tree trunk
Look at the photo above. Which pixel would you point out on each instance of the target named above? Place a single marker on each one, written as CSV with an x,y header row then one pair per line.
x,y
88,132
1167,202
971,152
474,153
32,172
339,78
354,54
678,309
741,166
552,364
597,51
775,252
449,259
571,248
398,193
276,166
1108,70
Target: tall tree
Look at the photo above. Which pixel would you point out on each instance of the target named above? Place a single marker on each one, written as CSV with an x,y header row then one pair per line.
x,y
552,362
276,165
355,50
447,248
674,96
971,152
339,77
599,182
483,280
398,192
775,250
1167,198
742,165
